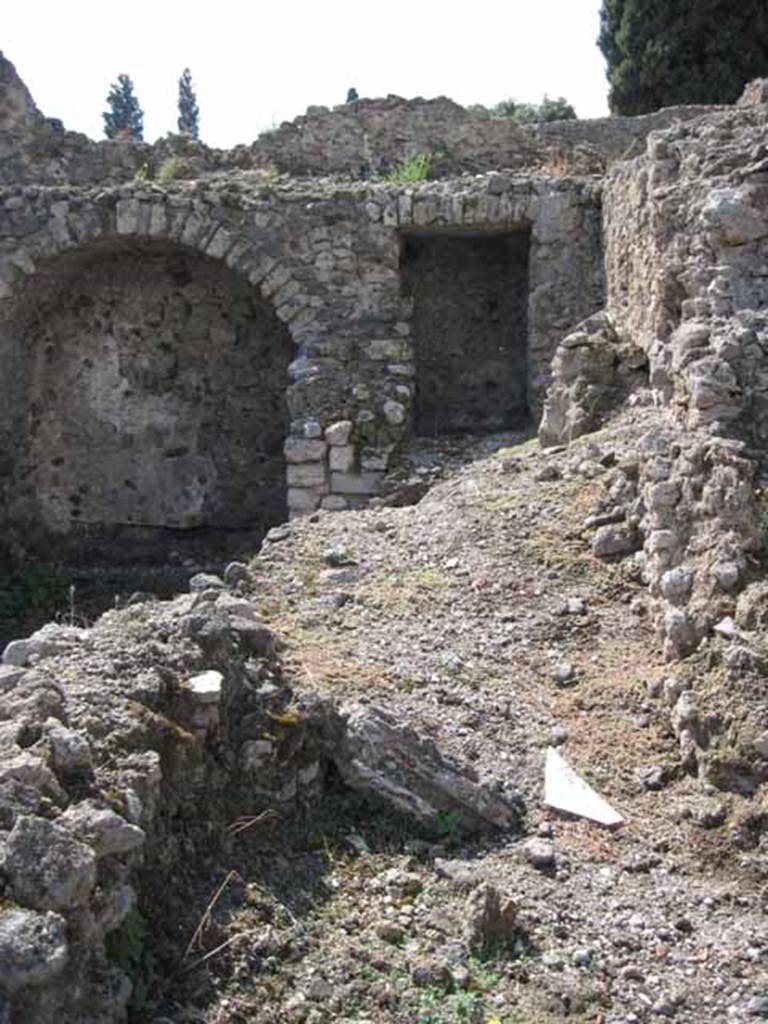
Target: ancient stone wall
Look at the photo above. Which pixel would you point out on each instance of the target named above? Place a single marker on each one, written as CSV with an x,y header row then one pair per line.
x,y
686,233
319,264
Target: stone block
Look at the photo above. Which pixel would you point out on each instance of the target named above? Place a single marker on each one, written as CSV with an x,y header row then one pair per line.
x,y
355,483
158,220
47,868
425,211
205,687
393,349
342,458
339,433
193,226
16,653
219,243
301,449
312,429
334,503
127,216
404,208
287,292
302,499
274,280
101,828
403,371
377,462
255,754
307,474
260,270
394,412
33,947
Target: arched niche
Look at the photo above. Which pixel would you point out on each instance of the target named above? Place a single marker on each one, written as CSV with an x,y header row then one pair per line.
x,y
146,403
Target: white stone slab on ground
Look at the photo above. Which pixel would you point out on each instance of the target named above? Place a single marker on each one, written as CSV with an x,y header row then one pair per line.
x,y
566,791
206,687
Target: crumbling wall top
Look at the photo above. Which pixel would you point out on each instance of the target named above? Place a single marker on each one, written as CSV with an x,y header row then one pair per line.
x,y
17,108
359,140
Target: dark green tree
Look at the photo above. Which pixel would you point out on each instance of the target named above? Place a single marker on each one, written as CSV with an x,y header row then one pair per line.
x,y
527,113
666,52
125,118
189,113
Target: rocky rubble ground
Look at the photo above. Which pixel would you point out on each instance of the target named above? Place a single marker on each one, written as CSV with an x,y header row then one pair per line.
x,y
312,791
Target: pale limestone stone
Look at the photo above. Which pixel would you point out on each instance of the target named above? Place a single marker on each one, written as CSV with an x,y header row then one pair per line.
x,y
377,462
355,483
334,503
338,433
307,474
205,687
394,412
342,458
302,499
16,653
274,280
300,449
127,216
219,243
386,348
158,220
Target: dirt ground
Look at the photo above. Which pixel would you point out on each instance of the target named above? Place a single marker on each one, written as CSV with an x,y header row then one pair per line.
x,y
482,618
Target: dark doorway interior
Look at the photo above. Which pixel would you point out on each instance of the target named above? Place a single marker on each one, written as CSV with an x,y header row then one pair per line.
x,y
469,327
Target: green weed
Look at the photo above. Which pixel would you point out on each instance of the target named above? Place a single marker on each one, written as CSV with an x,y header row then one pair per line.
x,y
173,168
128,948
761,503
448,827
143,173
411,169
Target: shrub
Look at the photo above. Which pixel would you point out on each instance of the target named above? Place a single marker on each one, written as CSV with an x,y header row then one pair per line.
x,y
412,168
173,168
549,109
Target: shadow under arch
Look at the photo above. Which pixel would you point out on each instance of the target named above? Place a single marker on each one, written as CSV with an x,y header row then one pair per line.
x,y
148,409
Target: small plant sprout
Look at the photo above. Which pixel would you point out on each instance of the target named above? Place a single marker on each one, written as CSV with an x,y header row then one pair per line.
x,y
411,169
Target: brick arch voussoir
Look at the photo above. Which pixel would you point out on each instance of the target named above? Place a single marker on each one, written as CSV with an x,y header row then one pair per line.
x,y
70,227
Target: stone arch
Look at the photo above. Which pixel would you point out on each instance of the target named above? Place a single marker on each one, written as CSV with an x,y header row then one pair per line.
x,y
150,349
66,224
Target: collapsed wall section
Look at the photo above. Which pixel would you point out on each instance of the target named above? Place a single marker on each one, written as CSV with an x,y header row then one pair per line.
x,y
686,230
177,738
360,139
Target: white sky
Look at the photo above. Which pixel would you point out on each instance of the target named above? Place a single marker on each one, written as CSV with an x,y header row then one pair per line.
x,y
256,64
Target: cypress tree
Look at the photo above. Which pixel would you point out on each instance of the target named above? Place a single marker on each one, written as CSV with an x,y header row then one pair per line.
x,y
666,52
189,114
125,118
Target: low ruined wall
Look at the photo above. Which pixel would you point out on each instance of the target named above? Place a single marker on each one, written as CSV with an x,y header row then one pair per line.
x,y
132,753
